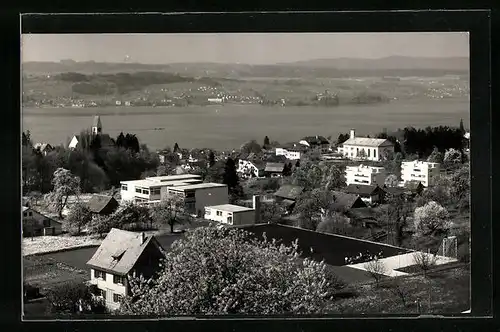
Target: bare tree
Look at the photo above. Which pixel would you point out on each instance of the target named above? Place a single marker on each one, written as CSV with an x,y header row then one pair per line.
x,y
399,289
376,269
425,261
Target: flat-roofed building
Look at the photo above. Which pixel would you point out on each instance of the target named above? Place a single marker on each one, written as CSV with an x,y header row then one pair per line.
x,y
234,214
365,175
198,196
419,171
150,189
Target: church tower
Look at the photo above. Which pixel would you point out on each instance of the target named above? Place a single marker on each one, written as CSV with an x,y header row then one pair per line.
x,y
97,126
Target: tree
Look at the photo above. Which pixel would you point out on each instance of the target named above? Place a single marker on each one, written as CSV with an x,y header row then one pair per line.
x,y
26,139
211,158
120,140
266,142
361,154
78,217
342,138
250,147
297,163
460,187
131,216
430,218
424,261
440,192
313,207
391,181
376,269
226,271
101,225
72,298
461,126
176,148
435,156
65,185
168,212
398,287
230,178
451,158
287,170
272,213
312,175
334,223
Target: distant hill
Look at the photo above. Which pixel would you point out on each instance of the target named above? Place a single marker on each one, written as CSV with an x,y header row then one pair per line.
x,y
341,67
393,62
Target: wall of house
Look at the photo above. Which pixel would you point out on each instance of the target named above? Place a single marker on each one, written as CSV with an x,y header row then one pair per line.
x,y
73,143
131,194
109,287
210,196
421,171
149,262
42,224
371,153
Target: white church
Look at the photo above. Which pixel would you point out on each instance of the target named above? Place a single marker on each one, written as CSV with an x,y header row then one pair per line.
x,y
96,129
365,148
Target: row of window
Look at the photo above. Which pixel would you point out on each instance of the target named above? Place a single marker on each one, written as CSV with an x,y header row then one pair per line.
x,y
119,280
28,214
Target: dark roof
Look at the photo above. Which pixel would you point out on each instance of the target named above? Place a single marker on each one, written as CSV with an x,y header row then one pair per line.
x,y
288,191
328,247
101,203
395,190
360,189
126,247
345,200
361,213
316,140
414,185
43,146
288,202
261,165
274,167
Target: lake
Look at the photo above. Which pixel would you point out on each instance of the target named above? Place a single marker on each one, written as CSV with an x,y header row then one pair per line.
x,y
228,126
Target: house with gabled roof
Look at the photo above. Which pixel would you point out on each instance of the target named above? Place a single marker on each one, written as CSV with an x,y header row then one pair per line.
x,y
365,148
251,168
315,142
288,195
345,201
368,193
44,148
274,169
121,254
37,224
102,204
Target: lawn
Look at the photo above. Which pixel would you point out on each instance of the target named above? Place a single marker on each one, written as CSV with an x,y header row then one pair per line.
x,y
449,294
44,244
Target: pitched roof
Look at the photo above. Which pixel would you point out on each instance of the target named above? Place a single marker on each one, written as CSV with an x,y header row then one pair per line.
x,y
345,200
98,203
261,165
365,141
394,190
126,247
414,185
274,167
290,192
360,189
361,213
42,146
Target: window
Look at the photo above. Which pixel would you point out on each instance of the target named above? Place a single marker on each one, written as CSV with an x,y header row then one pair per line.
x,y
219,213
207,212
138,190
369,152
190,195
374,153
46,223
155,191
230,220
118,280
145,191
116,297
124,187
30,214
100,274
25,214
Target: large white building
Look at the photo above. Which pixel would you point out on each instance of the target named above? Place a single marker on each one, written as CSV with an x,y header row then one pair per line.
x,y
364,148
198,196
149,190
421,171
292,151
365,175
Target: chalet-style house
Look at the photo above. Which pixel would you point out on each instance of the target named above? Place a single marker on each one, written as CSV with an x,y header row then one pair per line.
x,y
251,168
364,217
315,142
102,204
274,170
123,253
365,148
345,201
37,224
288,195
395,192
96,130
368,193
44,148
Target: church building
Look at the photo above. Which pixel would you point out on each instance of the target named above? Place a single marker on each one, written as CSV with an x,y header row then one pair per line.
x,y
96,129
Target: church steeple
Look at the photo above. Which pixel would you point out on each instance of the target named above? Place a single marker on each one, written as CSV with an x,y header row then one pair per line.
x,y
97,125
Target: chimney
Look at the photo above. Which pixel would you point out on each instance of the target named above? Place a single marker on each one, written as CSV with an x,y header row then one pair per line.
x,y
256,207
353,134
143,237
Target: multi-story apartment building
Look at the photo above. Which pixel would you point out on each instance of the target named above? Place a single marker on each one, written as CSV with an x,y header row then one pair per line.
x,y
122,253
149,189
421,171
365,175
198,196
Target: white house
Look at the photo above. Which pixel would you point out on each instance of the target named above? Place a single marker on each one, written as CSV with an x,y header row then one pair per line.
x,y
291,151
364,148
234,214
149,189
198,196
365,175
250,168
420,171
120,254
36,224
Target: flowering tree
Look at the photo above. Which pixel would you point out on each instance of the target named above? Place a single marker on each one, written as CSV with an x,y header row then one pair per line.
x,y
65,185
430,218
79,216
376,269
333,223
391,180
435,156
425,261
460,187
225,271
168,212
102,224
314,206
132,216
318,176
452,157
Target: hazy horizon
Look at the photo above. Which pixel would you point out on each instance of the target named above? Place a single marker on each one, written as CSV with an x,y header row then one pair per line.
x,y
239,48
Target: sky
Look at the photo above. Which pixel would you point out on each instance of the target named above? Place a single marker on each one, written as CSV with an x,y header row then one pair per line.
x,y
263,48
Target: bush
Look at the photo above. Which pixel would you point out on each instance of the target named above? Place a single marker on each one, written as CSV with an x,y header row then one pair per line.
x,y
73,298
